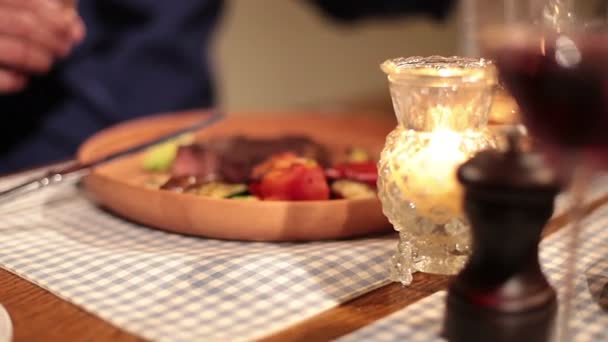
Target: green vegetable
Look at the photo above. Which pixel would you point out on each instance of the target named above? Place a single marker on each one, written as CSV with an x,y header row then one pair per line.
x,y
159,158
245,198
356,155
221,190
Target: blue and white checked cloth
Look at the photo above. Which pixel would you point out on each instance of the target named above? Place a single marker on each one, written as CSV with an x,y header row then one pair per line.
x,y
422,321
168,287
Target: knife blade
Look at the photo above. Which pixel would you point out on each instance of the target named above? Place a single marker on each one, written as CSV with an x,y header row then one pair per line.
x,y
76,170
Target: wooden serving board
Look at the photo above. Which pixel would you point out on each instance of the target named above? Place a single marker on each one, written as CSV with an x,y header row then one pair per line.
x,y
119,186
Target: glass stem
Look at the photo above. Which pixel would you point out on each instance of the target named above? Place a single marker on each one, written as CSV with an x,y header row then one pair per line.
x,y
469,27
580,182
510,9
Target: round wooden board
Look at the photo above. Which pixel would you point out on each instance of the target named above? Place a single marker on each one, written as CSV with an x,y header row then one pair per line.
x,y
118,186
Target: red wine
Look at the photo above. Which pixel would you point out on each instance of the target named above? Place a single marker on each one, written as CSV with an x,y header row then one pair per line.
x,y
561,86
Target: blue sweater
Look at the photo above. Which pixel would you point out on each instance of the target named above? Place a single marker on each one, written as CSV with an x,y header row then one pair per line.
x,y
140,57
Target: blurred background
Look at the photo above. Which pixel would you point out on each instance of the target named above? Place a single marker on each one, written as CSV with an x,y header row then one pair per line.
x,y
284,55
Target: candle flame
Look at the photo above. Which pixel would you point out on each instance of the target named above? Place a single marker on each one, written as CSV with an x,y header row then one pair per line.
x,y
445,144
431,182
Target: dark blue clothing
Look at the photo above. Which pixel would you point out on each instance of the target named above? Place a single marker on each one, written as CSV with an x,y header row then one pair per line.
x,y
140,57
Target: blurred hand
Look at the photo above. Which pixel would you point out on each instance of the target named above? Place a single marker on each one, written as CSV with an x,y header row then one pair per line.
x,y
34,34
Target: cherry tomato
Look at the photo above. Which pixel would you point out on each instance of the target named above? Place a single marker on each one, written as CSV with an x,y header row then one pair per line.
x,y
286,177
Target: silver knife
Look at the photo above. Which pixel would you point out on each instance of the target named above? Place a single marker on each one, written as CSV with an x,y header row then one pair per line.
x,y
77,170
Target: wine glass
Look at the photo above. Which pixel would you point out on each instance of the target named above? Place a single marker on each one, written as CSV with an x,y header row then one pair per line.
x,y
552,57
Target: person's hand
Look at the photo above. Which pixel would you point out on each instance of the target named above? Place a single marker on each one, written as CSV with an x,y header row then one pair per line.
x,y
34,34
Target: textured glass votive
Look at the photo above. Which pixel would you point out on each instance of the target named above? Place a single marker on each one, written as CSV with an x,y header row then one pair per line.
x,y
442,106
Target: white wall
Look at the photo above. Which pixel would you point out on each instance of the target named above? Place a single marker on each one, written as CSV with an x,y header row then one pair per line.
x,y
282,54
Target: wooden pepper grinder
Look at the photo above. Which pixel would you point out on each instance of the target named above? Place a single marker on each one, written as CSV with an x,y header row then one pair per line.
x,y
502,294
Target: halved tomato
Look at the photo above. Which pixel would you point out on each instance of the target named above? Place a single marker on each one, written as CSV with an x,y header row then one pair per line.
x,y
287,177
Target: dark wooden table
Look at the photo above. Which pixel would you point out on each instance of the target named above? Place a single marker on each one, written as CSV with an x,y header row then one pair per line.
x,y
40,316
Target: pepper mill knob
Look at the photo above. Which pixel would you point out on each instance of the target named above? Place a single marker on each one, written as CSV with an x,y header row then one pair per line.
x,y
502,293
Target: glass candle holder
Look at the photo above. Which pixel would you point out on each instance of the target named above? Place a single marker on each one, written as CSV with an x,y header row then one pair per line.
x,y
442,106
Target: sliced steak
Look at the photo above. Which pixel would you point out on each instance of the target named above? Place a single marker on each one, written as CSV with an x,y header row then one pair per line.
x,y
232,159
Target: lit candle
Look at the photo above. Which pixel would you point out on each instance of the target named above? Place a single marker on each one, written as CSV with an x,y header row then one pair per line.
x,y
442,107
427,177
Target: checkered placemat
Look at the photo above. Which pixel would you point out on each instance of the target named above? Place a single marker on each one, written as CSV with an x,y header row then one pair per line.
x,y
162,286
422,321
